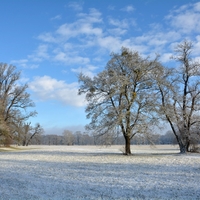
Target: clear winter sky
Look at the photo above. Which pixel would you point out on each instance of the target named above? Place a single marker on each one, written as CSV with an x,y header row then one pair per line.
x,y
51,41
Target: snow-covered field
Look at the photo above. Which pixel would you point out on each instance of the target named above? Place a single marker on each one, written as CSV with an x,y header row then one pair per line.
x,y
89,172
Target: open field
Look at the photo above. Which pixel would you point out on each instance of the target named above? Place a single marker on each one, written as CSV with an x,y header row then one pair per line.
x,y
97,172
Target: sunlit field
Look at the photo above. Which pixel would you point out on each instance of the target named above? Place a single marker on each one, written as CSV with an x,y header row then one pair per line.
x,y
98,172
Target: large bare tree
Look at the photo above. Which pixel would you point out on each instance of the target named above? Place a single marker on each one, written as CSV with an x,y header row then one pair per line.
x,y
179,96
120,96
14,100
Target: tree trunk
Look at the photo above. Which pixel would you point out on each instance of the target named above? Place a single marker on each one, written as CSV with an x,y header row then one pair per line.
x,y
183,148
127,145
183,145
23,143
188,146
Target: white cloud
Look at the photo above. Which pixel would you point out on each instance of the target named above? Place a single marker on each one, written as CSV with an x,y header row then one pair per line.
x,y
166,57
83,26
94,16
46,88
69,58
32,66
128,8
57,17
156,40
157,36
186,18
88,71
117,31
41,53
197,6
47,37
196,45
76,6
111,43
24,63
121,26
111,7
21,62
119,23
83,32
86,32
77,28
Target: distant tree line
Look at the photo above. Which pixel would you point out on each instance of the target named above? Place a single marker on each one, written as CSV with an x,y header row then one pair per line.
x,y
83,138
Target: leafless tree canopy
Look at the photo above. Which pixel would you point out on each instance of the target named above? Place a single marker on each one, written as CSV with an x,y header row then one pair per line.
x,y
14,101
121,96
179,96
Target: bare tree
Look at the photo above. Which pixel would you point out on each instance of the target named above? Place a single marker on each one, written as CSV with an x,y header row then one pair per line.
x,y
69,137
179,96
78,137
120,96
24,133
14,100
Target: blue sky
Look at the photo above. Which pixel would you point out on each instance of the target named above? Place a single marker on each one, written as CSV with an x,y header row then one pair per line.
x,y
51,41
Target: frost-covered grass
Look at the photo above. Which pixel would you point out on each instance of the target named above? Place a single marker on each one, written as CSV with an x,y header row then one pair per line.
x,y
88,172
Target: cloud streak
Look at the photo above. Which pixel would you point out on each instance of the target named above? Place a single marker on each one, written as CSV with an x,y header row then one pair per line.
x,y
128,8
76,6
186,19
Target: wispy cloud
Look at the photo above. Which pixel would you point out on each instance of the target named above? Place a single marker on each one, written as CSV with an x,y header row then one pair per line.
x,y
186,18
24,63
76,6
196,46
68,58
128,8
47,37
46,88
117,31
119,23
41,53
75,29
166,57
88,70
121,27
111,7
84,26
57,17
